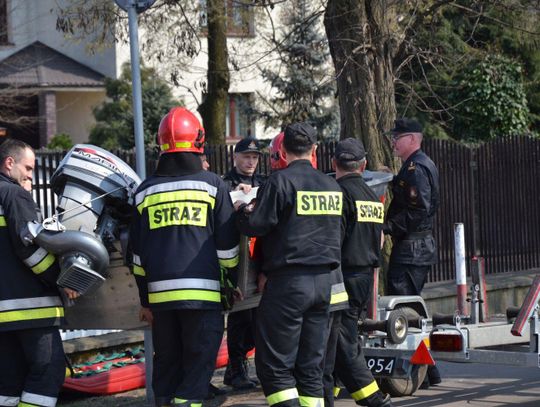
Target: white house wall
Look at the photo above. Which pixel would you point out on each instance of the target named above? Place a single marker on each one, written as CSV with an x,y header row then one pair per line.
x,y
74,112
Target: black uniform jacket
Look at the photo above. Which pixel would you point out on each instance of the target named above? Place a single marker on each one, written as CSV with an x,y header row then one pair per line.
x,y
183,230
233,179
410,215
298,210
28,293
361,226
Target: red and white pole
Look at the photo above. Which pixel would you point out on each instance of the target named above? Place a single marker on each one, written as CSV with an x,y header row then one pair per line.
x,y
461,268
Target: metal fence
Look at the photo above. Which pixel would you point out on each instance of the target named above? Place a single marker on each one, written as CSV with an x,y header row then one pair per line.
x,y
492,189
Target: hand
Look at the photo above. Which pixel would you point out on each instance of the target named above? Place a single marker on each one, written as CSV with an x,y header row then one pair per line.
x,y
384,168
261,282
71,294
145,315
238,296
237,205
245,188
27,185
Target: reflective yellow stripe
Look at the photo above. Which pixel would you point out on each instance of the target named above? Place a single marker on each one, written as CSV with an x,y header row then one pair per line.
x,y
337,390
229,262
3,221
44,264
318,203
184,295
164,146
177,214
339,297
175,196
21,404
306,401
187,402
282,395
138,271
28,314
365,391
369,211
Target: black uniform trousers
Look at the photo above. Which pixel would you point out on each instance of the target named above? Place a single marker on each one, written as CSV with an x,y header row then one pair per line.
x,y
330,358
292,330
351,368
406,279
240,335
34,363
186,344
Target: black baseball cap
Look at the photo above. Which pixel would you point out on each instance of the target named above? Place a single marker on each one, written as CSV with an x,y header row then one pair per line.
x,y
405,125
247,145
304,130
350,149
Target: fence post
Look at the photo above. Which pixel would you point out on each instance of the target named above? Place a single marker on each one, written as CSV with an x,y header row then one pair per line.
x,y
473,163
461,268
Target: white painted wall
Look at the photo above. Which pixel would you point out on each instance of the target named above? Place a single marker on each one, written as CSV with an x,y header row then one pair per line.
x,y
74,112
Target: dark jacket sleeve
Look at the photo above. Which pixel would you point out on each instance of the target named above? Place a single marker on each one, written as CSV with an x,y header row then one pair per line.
x,y
265,215
19,210
417,197
137,266
226,234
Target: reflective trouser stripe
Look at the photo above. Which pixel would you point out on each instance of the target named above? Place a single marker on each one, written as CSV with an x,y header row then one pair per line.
x,y
28,314
3,221
337,390
138,271
281,396
365,391
8,401
339,298
37,400
184,295
187,403
306,401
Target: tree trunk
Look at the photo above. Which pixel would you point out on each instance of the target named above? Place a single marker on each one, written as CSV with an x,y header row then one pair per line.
x,y
362,46
214,107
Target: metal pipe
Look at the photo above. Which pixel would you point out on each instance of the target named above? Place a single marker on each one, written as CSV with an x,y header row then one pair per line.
x,y
140,161
74,241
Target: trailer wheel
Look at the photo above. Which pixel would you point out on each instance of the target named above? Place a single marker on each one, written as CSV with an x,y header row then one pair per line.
x,y
397,326
404,387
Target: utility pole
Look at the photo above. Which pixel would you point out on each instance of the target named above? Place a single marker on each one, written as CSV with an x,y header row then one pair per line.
x,y
133,8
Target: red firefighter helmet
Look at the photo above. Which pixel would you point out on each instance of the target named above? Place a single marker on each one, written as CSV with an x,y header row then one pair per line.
x,y
180,132
277,162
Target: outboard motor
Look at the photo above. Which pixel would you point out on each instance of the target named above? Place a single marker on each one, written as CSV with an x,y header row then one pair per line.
x,y
95,196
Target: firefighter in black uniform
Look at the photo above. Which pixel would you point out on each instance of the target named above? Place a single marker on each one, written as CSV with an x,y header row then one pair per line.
x,y
409,220
298,213
30,306
183,238
241,324
361,230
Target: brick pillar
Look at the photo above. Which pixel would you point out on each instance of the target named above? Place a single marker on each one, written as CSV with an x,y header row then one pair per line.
x,y
47,117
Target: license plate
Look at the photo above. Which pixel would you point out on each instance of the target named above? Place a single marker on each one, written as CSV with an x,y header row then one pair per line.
x,y
380,366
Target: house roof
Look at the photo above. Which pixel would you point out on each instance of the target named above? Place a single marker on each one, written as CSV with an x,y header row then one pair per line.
x,y
38,65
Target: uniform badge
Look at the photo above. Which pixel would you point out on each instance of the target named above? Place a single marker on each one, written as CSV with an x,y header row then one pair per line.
x,y
401,183
252,145
413,193
412,166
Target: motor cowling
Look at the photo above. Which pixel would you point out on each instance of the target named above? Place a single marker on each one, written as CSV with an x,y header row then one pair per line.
x,y
95,192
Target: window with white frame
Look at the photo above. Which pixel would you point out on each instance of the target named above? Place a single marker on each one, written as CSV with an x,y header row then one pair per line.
x,y
240,118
